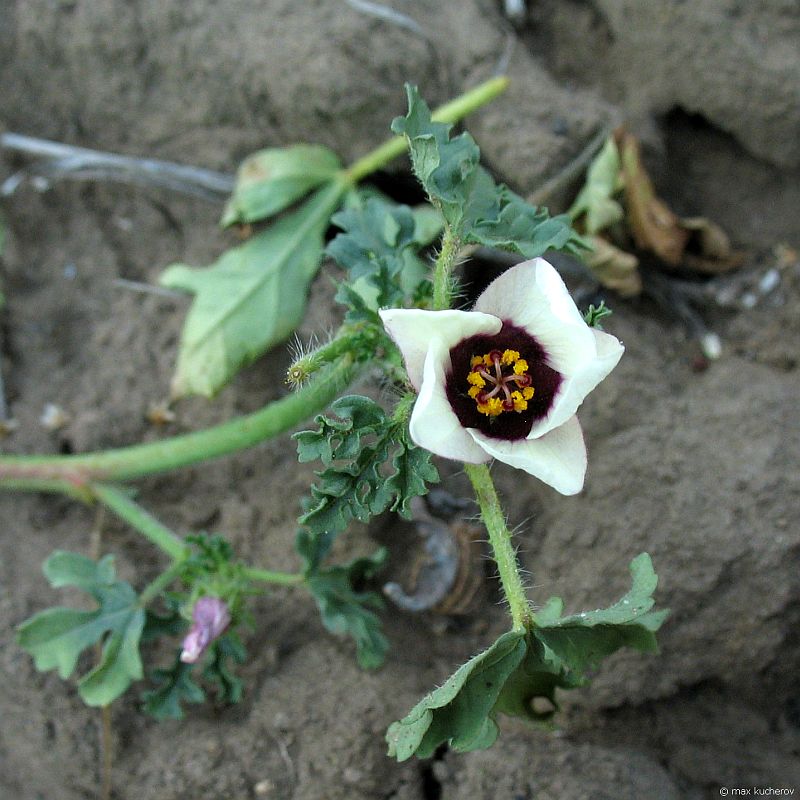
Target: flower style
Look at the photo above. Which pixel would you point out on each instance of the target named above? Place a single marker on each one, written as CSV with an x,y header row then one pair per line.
x,y
504,380
210,618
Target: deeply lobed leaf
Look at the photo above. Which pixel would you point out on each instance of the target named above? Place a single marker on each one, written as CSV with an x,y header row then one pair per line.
x,y
344,610
477,210
174,687
56,637
355,485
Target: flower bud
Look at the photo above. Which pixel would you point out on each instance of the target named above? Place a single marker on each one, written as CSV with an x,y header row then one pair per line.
x,y
210,618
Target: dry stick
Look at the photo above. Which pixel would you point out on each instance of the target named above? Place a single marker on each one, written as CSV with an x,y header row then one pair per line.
x,y
67,161
95,546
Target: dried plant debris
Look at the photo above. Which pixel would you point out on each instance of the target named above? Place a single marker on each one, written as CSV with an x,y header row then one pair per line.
x,y
623,217
447,576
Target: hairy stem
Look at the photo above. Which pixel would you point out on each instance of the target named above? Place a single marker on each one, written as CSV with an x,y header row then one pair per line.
x,y
121,503
71,474
449,112
443,270
500,540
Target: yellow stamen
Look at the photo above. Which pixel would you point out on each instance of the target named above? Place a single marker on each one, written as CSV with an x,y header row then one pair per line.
x,y
493,407
509,357
519,403
494,378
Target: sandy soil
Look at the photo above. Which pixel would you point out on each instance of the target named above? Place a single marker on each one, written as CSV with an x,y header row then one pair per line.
x,y
700,468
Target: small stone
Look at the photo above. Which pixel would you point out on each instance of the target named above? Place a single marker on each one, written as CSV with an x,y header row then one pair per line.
x,y
352,776
54,418
264,788
281,721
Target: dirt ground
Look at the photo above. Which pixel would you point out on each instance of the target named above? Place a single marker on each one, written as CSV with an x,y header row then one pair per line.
x,y
698,467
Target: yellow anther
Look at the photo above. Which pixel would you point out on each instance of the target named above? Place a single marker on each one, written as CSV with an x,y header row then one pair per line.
x,y
487,360
476,379
519,403
509,357
520,367
474,391
493,407
475,361
527,392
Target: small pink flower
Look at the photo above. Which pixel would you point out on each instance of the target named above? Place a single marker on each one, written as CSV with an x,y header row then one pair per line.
x,y
504,380
210,618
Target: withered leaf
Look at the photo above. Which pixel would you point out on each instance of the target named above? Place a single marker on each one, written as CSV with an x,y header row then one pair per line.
x,y
653,225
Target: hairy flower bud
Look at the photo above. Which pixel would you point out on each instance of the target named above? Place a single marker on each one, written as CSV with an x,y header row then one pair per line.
x,y
210,618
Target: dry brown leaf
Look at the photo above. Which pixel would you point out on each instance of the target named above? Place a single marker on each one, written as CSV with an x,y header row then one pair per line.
x,y
653,225
709,248
614,268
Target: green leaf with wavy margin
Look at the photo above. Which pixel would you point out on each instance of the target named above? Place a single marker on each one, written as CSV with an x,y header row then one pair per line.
x,y
523,666
477,210
251,298
269,181
174,686
344,609
57,636
355,449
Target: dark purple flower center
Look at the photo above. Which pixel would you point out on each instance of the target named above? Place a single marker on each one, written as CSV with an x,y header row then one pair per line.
x,y
471,411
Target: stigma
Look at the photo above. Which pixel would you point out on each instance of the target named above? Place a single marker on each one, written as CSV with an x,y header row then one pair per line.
x,y
499,382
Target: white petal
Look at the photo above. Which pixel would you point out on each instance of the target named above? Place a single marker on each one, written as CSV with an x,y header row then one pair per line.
x,y
574,388
414,329
433,423
558,458
533,296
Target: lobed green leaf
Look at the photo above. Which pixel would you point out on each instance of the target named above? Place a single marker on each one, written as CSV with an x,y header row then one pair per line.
x,y
175,686
477,210
522,667
445,167
459,711
344,610
356,484
56,637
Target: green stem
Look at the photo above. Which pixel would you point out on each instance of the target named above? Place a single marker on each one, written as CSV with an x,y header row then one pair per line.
x,y
449,112
155,587
71,474
442,271
121,503
270,576
500,539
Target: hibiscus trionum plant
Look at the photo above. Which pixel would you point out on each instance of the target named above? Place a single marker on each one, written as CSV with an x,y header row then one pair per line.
x,y
501,380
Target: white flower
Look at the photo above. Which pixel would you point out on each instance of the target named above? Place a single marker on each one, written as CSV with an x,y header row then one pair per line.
x,y
504,380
